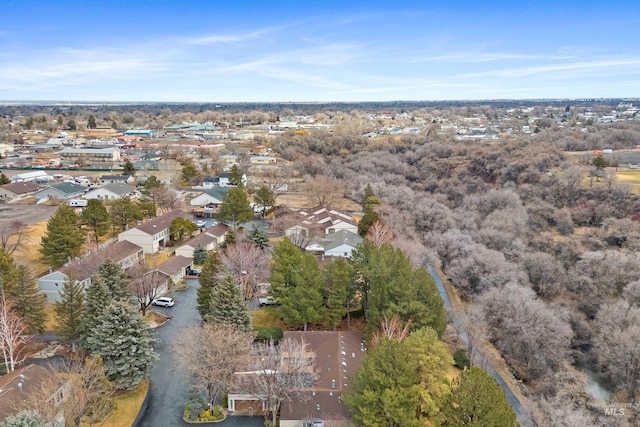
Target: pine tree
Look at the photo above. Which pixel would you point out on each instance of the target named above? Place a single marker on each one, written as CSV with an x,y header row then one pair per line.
x,y
259,237
477,400
227,305
68,311
4,179
96,301
25,418
235,176
124,213
264,197
338,276
208,279
199,255
96,218
235,207
229,239
297,283
91,123
115,279
29,301
8,271
125,343
63,238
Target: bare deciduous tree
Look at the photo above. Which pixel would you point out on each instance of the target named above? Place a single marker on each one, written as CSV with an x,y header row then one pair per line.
x,y
280,373
325,189
87,393
13,236
380,234
212,353
250,264
146,285
275,177
169,199
13,334
393,329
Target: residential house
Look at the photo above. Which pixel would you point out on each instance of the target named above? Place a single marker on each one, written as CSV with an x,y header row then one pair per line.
x,y
86,156
337,355
222,180
17,190
61,191
262,160
341,243
315,221
120,179
211,197
16,385
152,234
205,240
175,267
124,253
111,192
151,285
209,239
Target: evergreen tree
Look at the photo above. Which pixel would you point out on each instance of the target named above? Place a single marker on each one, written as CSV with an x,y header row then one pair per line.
x,y
8,272
389,286
91,123
259,237
199,255
63,238
96,218
147,208
297,283
96,302
124,213
128,169
181,228
125,343
265,198
229,239
235,207
235,176
400,384
114,278
68,311
338,276
369,203
190,175
477,400
153,189
25,418
29,301
4,179
208,278
227,305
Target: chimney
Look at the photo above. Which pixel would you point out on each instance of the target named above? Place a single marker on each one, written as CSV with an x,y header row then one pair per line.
x,y
20,386
50,270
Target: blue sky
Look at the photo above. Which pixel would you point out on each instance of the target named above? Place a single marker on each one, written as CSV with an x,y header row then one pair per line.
x,y
316,51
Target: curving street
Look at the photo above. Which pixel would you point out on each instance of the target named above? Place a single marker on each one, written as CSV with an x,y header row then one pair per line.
x,y
169,387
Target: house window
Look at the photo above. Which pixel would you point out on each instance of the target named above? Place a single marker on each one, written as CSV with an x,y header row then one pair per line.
x,y
231,406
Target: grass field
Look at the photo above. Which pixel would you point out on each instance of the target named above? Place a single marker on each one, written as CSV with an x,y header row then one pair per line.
x,y
126,407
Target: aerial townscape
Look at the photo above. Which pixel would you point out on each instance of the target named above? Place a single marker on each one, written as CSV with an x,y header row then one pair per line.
x,y
319,216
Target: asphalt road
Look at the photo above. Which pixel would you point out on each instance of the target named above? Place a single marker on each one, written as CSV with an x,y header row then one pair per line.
x,y
168,386
523,417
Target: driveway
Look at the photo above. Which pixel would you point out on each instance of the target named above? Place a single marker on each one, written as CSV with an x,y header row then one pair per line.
x,y
169,387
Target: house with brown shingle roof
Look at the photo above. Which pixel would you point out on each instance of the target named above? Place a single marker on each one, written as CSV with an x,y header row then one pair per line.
x,y
337,356
16,385
124,253
175,267
152,234
17,189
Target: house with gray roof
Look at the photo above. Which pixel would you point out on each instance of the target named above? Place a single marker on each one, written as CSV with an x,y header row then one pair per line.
x,y
112,191
125,254
175,267
61,191
341,243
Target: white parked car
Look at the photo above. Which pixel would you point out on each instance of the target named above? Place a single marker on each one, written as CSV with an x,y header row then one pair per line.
x,y
201,224
268,300
163,302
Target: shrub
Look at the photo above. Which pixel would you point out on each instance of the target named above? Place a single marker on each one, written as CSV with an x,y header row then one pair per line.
x,y
268,333
217,412
461,359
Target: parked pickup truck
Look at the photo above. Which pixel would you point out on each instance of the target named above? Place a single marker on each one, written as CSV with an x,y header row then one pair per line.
x,y
268,301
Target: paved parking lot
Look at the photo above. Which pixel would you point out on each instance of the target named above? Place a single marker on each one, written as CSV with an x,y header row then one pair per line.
x,y
29,214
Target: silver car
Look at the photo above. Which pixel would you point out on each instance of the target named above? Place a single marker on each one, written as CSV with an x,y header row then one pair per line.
x,y
163,302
